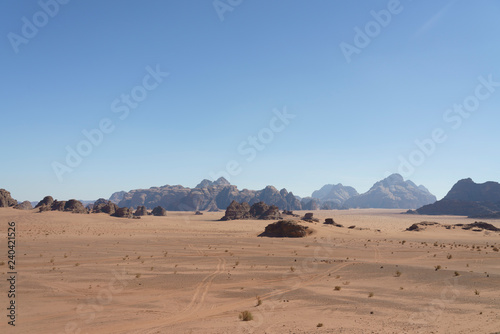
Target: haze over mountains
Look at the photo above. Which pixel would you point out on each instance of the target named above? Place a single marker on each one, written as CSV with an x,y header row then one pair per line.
x,y
392,192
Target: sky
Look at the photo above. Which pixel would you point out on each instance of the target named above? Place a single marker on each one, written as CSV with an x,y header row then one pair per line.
x,y
103,96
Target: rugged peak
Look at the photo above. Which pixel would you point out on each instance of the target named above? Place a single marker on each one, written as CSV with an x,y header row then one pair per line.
x,y
221,181
204,184
394,179
207,183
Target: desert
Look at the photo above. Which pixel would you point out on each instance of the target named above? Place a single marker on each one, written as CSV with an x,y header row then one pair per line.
x,y
187,273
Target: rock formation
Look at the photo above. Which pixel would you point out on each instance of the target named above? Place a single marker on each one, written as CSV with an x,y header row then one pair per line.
x,y
45,202
159,211
123,213
6,200
259,210
286,229
26,205
141,211
104,206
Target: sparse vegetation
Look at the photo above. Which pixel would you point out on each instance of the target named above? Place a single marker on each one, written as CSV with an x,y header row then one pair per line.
x,y
370,295
398,273
457,273
259,301
449,256
337,288
476,292
246,316
436,268
319,324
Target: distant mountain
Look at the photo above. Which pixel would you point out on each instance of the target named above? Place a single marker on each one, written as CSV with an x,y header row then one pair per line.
x,y
467,198
207,195
392,192
334,193
117,196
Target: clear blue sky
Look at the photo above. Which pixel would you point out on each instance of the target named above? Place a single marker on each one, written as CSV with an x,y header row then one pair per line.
x,y
353,120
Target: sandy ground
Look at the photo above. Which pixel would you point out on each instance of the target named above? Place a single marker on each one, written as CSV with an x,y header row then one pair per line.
x,y
193,274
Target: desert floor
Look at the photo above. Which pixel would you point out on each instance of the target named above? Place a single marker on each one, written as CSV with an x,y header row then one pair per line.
x,y
194,274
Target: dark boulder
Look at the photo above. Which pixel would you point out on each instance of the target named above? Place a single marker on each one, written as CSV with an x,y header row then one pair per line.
x,y
308,217
26,205
45,202
159,211
6,200
123,213
286,229
104,206
198,213
75,206
141,211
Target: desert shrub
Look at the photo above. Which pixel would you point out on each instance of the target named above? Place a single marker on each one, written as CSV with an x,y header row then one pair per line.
x,y
246,316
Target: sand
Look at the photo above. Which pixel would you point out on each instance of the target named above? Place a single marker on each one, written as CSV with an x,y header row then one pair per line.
x,y
194,274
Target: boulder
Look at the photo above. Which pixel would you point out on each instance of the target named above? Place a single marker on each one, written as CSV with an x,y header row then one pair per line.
x,y
104,206
159,211
45,202
330,221
5,199
75,206
26,205
286,229
308,217
198,213
141,211
123,213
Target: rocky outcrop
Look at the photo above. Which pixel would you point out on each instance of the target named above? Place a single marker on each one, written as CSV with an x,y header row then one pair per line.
x,y
286,229
392,193
259,210
45,202
309,217
237,210
72,205
123,213
75,206
159,211
467,198
141,211
104,206
26,205
6,200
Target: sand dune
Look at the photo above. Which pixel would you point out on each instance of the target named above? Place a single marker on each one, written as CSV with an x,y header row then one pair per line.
x,y
194,274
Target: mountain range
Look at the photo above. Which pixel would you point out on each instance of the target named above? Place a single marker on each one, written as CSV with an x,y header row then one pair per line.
x,y
392,192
